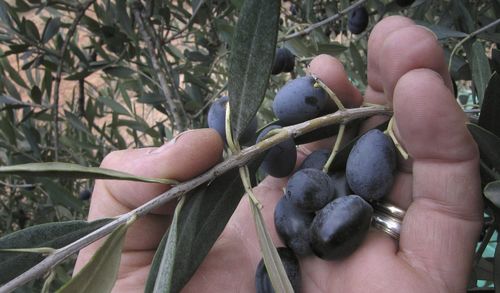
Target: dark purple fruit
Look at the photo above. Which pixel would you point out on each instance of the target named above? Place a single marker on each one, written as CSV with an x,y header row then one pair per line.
x,y
292,268
280,159
299,101
340,227
371,165
292,225
339,184
316,160
85,194
404,3
284,61
309,189
217,121
358,20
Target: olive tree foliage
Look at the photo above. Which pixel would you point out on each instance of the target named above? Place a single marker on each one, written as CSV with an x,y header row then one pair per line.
x,y
79,79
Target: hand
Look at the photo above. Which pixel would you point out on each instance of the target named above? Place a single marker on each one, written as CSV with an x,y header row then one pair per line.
x,y
439,186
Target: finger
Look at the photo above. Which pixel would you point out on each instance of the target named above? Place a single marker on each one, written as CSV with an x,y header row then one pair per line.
x,y
409,48
375,92
442,223
190,154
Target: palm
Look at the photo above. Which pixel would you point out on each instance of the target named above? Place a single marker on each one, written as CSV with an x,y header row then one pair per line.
x,y
439,187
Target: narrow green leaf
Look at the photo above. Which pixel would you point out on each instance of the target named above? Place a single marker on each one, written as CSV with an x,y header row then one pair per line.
x,y
76,123
251,59
67,170
14,74
114,105
51,29
54,235
442,32
46,250
59,195
166,268
7,102
302,48
277,273
488,144
490,110
99,274
31,30
119,71
155,265
202,219
480,67
80,74
492,192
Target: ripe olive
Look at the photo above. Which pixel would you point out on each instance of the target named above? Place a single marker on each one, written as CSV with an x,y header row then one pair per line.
x,y
292,225
371,164
309,189
339,228
280,159
292,268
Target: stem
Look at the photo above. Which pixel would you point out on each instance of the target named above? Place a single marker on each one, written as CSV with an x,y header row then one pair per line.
x,y
175,109
316,25
484,243
332,95
335,148
471,35
188,25
57,84
390,130
238,160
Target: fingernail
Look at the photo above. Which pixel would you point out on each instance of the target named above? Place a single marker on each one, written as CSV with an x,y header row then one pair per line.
x,y
170,143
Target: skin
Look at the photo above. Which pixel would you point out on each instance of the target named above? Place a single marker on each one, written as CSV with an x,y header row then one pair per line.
x,y
439,186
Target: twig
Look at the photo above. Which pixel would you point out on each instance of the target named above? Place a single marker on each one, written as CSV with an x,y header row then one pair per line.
x,y
175,109
237,160
188,25
57,83
316,25
471,35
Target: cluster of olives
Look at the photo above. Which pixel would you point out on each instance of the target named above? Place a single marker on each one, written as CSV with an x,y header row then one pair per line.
x,y
329,214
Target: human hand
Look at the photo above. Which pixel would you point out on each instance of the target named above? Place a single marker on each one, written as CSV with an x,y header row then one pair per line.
x,y
439,186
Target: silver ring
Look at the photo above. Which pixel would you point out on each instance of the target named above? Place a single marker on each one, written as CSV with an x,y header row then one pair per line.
x,y
390,210
387,224
388,218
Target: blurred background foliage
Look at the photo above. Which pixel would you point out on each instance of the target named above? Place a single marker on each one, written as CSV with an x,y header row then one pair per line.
x,y
79,79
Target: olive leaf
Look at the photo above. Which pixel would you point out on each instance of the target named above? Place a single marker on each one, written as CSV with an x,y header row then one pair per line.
x,y
490,110
99,274
53,235
480,67
492,192
488,144
166,268
252,56
203,217
272,260
68,170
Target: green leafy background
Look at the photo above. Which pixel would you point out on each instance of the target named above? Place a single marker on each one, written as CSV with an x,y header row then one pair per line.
x,y
111,97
